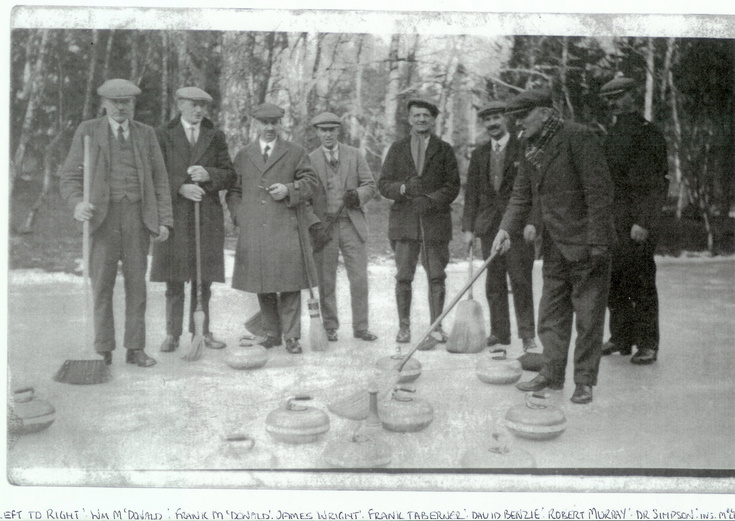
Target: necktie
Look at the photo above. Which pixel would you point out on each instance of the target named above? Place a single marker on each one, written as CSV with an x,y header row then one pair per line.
x,y
265,153
120,134
332,160
420,153
193,137
497,167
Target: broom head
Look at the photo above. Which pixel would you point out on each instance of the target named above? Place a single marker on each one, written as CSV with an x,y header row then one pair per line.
x,y
197,341
317,335
83,372
531,361
468,332
357,405
254,325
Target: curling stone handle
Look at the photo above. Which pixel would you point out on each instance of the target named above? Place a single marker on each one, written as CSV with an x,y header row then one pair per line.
x,y
297,407
500,354
532,404
242,437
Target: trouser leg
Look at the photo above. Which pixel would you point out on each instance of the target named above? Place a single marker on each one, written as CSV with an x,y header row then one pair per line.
x,y
621,299
289,310
519,264
174,308
406,255
496,291
269,311
437,254
105,252
326,262
646,326
354,253
135,246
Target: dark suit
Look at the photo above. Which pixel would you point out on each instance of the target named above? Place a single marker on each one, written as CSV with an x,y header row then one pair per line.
x,y
636,155
483,211
174,261
119,230
574,193
440,182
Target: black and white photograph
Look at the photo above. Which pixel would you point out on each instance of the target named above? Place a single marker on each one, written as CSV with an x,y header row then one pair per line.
x,y
381,262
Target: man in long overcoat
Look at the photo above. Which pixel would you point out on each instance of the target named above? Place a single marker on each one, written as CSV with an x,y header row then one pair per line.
x,y
199,167
129,202
345,179
490,178
274,177
636,153
565,167
421,176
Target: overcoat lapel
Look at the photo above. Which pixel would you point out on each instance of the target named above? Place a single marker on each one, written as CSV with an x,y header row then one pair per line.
x,y
255,157
549,155
343,167
205,138
277,153
181,143
101,136
431,150
320,165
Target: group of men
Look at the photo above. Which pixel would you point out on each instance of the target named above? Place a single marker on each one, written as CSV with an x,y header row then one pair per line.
x,y
588,204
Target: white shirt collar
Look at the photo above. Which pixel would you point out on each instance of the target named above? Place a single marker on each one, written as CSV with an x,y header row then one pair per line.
x,y
272,145
334,151
188,125
502,141
114,125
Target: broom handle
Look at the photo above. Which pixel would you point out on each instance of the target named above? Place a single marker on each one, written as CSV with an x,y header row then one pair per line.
x,y
198,242
446,310
329,227
86,183
425,260
303,238
472,258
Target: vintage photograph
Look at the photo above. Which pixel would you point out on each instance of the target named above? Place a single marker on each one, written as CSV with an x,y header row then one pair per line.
x,y
370,250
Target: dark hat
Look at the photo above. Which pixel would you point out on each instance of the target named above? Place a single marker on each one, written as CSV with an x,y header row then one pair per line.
x,y
118,88
419,102
616,86
267,111
529,100
326,120
193,93
494,107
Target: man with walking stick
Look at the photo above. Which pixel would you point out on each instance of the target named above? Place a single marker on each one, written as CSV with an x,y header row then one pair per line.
x,y
199,167
273,177
347,185
420,175
129,203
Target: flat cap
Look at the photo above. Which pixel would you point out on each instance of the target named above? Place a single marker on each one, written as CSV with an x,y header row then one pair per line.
x,y
425,104
494,107
118,88
193,93
529,100
616,86
267,111
326,120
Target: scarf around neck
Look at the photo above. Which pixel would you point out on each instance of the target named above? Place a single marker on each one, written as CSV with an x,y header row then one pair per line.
x,y
535,151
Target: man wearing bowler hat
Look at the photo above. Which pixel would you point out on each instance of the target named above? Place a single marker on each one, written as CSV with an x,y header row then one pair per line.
x,y
420,175
492,171
636,154
199,167
346,186
565,167
129,202
273,177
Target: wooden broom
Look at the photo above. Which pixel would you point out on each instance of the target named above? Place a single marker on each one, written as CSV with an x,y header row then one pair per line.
x,y
94,371
317,335
468,332
197,341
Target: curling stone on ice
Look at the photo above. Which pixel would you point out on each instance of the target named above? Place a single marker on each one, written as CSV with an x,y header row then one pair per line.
x,y
294,422
247,357
240,451
29,414
498,453
411,369
498,369
536,419
404,413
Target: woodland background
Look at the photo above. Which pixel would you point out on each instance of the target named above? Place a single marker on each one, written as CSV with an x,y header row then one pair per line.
x,y
687,89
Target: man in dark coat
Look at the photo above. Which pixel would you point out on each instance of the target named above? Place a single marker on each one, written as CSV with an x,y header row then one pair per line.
x,y
199,167
636,154
273,177
420,175
129,202
565,167
490,178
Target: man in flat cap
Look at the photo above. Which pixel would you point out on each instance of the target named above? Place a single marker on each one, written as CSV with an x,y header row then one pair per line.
x,y
420,175
636,154
129,203
492,171
199,167
565,167
346,186
273,177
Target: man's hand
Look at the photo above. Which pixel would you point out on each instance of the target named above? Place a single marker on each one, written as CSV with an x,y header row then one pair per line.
x,y
198,174
319,237
529,233
421,204
191,192
501,244
413,187
468,238
638,234
278,191
162,234
83,211
352,199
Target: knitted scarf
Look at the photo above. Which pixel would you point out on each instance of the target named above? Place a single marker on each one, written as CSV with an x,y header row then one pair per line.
x,y
535,151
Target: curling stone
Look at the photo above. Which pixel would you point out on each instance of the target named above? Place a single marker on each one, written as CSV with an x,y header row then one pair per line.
x,y
240,451
246,357
497,454
296,423
536,419
404,413
498,369
29,414
359,451
411,369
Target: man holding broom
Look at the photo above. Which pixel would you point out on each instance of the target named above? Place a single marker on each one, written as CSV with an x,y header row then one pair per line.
x,y
490,179
346,186
421,176
129,202
199,167
273,177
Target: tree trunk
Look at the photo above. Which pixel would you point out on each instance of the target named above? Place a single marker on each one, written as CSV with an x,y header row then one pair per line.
x,y
164,77
134,64
563,75
87,111
682,199
106,64
391,95
650,64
